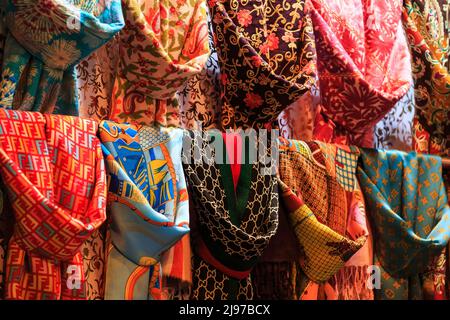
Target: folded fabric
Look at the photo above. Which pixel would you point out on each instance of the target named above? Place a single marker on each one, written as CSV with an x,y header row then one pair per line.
x,y
363,64
266,57
425,25
410,218
163,44
235,207
45,40
326,211
149,206
53,171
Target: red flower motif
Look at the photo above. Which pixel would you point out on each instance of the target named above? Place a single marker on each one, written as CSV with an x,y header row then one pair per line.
x,y
271,43
212,3
253,100
256,61
244,18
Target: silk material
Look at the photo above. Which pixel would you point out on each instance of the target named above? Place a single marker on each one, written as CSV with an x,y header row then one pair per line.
x,y
149,206
45,41
326,211
266,58
409,214
363,65
425,24
163,44
53,171
232,228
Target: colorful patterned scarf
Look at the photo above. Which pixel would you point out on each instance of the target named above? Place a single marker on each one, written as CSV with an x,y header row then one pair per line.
x,y
45,40
363,65
266,57
163,44
326,211
410,219
149,206
53,171
235,212
427,32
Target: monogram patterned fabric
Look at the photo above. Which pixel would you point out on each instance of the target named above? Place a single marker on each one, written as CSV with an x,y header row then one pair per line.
x,y
266,57
235,219
53,171
409,214
363,64
45,40
163,44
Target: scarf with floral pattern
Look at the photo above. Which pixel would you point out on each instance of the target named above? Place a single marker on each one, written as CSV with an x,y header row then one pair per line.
x,y
266,58
363,66
163,44
45,41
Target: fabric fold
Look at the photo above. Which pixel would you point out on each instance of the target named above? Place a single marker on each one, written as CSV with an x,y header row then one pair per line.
x,y
266,56
363,65
235,209
327,213
45,40
53,171
409,213
163,45
149,206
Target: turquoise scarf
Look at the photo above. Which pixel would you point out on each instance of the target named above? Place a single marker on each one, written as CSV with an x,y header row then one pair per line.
x,y
44,42
410,219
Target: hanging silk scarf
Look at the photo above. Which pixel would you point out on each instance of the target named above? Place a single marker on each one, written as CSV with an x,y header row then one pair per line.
x,y
363,65
52,168
235,211
326,210
199,98
266,58
273,277
45,40
95,80
163,44
394,131
410,218
425,25
149,206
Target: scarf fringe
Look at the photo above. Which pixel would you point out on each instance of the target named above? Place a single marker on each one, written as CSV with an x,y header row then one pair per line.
x,y
350,283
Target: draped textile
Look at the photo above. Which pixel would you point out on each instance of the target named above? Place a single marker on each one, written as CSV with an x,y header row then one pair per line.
x,y
234,215
409,214
163,44
149,206
53,171
199,98
45,41
266,58
327,213
427,31
363,65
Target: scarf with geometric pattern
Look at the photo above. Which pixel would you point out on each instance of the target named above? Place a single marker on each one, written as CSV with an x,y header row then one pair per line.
x,y
327,213
410,218
45,40
53,171
149,210
235,210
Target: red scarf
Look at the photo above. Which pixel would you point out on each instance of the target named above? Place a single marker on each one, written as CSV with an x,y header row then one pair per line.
x,y
53,170
363,63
